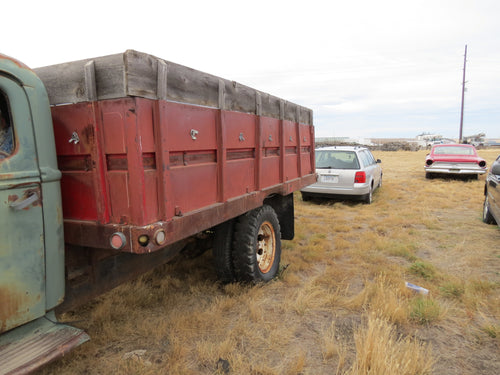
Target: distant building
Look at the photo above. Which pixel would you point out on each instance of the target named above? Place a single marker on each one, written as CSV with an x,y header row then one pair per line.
x,y
476,139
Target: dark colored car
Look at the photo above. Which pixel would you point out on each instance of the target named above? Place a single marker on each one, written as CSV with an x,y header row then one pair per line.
x,y
491,206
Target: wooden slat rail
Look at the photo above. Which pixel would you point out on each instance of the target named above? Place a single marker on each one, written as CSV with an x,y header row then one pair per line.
x,y
139,74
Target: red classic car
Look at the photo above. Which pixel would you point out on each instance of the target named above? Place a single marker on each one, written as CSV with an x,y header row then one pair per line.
x,y
457,159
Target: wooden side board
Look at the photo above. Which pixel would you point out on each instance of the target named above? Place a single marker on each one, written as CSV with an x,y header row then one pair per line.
x,y
139,74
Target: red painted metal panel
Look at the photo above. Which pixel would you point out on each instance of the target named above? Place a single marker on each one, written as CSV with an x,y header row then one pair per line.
x,y
240,177
291,171
270,168
182,119
114,136
306,135
270,136
151,213
240,131
290,142
290,130
79,195
306,163
144,165
145,122
130,160
120,196
193,187
75,144
136,182
69,119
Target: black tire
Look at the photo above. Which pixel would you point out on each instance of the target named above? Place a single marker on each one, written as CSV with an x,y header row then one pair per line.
x,y
487,216
305,197
380,181
222,251
257,245
369,197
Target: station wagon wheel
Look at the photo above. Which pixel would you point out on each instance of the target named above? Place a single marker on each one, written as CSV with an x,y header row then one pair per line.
x,y
487,216
257,245
369,197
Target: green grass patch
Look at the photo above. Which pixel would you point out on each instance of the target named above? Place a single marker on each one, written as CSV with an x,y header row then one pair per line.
x,y
492,330
424,310
402,250
452,290
423,269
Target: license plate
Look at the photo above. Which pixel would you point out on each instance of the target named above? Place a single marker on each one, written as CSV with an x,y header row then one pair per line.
x,y
329,178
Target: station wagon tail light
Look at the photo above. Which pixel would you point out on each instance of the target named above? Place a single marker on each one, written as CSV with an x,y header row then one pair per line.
x,y
360,177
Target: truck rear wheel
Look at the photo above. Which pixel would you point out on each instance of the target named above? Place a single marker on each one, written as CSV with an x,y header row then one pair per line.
x,y
257,245
222,251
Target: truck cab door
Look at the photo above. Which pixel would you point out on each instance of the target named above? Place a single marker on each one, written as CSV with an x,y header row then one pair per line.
x,y
31,234
22,267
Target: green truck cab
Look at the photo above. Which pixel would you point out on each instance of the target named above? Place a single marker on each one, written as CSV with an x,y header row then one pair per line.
x,y
31,227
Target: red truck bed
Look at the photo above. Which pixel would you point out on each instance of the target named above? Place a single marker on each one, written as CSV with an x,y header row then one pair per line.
x,y
150,147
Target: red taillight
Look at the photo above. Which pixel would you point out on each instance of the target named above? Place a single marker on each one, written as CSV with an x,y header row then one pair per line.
x,y
117,240
360,177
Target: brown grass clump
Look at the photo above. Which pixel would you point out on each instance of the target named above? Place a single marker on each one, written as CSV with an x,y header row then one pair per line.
x,y
380,351
339,305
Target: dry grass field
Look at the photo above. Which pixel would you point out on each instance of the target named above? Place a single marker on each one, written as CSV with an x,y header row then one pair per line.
x,y
339,305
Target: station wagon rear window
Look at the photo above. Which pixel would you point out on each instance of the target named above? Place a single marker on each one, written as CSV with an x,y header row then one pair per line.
x,y
336,159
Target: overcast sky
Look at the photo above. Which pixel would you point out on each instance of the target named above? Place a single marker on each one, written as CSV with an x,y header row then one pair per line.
x,y
387,68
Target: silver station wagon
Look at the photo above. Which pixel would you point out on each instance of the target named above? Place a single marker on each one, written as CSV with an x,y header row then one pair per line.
x,y
345,172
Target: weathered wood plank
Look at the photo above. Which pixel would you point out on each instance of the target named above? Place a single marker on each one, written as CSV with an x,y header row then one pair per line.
x,y
135,73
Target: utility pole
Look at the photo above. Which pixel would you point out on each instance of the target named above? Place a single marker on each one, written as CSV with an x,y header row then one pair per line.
x,y
463,95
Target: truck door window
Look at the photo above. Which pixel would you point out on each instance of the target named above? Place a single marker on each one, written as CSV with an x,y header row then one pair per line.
x,y
6,132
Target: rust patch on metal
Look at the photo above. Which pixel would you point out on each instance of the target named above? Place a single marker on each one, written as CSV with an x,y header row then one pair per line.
x,y
74,162
13,198
12,301
27,193
88,135
15,61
